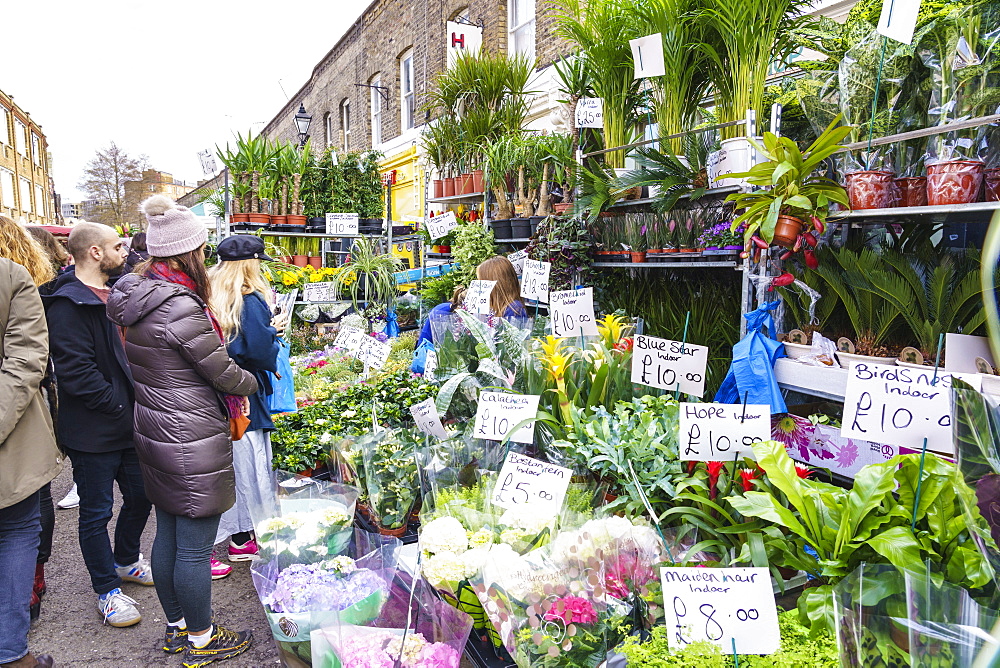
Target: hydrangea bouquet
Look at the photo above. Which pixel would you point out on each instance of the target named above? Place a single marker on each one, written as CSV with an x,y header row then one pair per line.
x,y
299,598
415,629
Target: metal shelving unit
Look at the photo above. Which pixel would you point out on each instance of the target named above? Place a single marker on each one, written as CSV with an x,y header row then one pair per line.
x,y
732,264
459,199
645,201
975,212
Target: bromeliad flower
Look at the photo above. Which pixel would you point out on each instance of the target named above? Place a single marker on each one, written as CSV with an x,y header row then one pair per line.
x,y
794,432
611,328
802,471
747,476
714,471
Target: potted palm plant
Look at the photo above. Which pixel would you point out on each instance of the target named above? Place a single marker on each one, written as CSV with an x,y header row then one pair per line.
x,y
796,189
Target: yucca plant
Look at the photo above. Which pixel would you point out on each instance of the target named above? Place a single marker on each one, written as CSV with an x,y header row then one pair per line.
x,y
741,42
602,30
501,160
932,298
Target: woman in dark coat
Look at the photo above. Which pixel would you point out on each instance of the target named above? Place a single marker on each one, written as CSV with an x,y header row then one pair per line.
x,y
186,391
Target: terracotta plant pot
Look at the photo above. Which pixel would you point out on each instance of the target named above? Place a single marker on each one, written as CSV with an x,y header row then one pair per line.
x,y
954,182
239,218
477,180
278,220
316,261
671,250
438,188
259,218
287,259
638,257
992,179
449,186
912,191
296,220
871,189
786,231
300,260
466,183
562,207
398,533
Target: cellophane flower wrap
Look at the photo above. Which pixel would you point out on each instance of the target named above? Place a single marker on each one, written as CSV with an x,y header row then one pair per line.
x,y
414,628
304,521
298,598
387,468
549,615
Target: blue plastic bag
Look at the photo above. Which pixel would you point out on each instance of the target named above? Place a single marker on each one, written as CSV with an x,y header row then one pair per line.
x,y
751,375
282,397
420,356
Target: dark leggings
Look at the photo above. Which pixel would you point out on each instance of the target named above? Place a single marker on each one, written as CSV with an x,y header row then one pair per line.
x,y
181,561
48,523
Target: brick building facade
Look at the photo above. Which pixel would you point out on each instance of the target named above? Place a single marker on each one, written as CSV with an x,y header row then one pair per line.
x,y
26,193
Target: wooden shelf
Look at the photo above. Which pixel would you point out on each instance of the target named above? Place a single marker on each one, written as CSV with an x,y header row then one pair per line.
x,y
976,212
825,382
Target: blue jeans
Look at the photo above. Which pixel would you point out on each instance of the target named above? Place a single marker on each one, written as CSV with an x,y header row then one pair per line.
x,y
182,567
95,474
20,526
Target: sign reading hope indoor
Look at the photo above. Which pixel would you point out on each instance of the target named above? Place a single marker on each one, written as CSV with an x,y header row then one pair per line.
x,y
714,432
535,281
524,481
498,413
900,405
438,226
573,313
669,365
722,606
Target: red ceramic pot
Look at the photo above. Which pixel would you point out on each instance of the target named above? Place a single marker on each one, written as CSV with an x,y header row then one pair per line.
x,y
239,218
259,218
438,188
296,220
912,191
638,257
954,182
786,231
449,187
871,189
992,179
465,181
316,261
477,180
300,260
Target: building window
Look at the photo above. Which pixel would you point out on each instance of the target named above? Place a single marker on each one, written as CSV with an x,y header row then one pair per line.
x,y
39,200
345,124
521,19
36,154
7,188
328,128
25,195
19,140
4,129
406,94
376,110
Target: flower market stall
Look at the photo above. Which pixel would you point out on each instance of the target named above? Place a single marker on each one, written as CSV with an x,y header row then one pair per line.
x,y
740,407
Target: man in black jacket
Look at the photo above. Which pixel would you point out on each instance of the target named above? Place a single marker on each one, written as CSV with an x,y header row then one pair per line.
x,y
95,418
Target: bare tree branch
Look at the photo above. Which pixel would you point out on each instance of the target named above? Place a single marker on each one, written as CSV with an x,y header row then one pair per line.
x,y
104,180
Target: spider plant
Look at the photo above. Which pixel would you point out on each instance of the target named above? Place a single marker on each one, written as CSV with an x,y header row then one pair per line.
x,y
368,276
932,298
602,30
741,42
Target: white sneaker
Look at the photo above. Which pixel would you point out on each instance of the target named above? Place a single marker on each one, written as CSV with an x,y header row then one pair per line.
x,y
71,500
140,572
118,609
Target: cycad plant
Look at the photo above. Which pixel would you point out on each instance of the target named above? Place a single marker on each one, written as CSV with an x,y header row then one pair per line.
x,y
602,30
932,298
742,41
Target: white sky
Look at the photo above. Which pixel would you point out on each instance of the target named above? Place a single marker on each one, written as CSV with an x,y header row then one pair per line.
x,y
166,78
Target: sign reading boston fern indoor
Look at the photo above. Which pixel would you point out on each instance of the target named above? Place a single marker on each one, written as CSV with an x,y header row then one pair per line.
x,y
524,481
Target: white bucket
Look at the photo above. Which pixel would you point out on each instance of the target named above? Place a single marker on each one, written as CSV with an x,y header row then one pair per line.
x,y
733,157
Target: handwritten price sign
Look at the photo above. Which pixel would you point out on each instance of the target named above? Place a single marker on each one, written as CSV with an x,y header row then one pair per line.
x,y
318,292
349,339
438,226
573,313
713,432
498,413
517,259
590,112
428,421
900,405
524,481
535,282
342,223
477,299
669,365
372,352
721,605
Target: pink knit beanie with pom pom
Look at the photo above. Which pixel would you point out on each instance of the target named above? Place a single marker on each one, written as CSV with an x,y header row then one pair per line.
x,y
173,229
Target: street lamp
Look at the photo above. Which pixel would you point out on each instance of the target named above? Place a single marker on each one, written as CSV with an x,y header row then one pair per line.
x,y
302,120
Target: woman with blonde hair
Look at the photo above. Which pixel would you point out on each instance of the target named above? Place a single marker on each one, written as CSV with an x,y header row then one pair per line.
x,y
505,300
18,245
239,302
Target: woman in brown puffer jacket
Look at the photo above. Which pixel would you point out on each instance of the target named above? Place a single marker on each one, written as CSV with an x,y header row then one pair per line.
x,y
186,390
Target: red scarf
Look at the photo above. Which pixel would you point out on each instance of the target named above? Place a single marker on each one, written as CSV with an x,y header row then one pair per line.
x,y
162,271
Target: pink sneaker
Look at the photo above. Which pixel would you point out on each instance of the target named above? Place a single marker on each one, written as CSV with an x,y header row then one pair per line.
x,y
219,569
245,552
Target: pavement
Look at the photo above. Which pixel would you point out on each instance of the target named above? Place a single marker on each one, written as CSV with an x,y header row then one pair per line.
x,y
70,627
